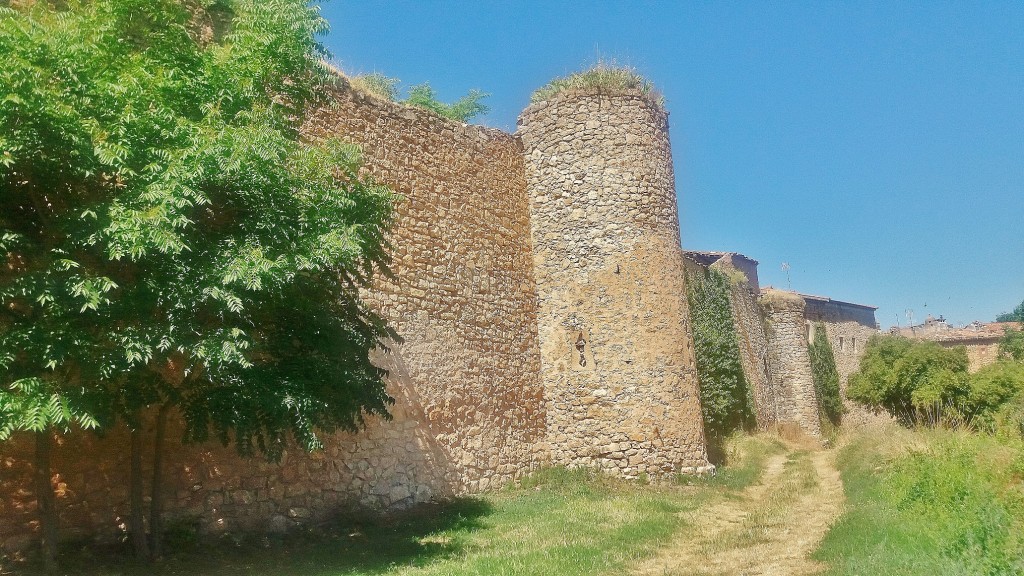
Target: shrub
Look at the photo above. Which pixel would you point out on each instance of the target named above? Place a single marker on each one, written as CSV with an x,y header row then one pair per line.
x,y
377,84
915,381
826,377
1011,347
992,387
921,382
469,106
603,76
724,393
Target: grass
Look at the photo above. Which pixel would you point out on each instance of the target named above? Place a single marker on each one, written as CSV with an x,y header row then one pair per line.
x,y
929,502
556,521
607,77
769,515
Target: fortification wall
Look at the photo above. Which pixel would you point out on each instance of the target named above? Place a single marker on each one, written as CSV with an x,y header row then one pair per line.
x,y
848,329
753,343
616,353
752,339
790,360
469,412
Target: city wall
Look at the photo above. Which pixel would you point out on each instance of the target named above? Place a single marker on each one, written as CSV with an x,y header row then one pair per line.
x,y
540,296
616,351
469,412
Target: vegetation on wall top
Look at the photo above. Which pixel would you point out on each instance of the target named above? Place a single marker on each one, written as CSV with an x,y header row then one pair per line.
x,y
606,77
423,96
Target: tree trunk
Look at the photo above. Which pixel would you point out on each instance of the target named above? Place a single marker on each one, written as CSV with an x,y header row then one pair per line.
x,y
47,503
156,503
136,518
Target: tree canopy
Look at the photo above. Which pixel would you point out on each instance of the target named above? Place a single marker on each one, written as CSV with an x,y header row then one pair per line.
x,y
163,222
169,238
1016,316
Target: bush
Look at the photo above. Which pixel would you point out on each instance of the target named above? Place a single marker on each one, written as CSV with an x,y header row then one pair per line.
x,y
1011,347
826,377
914,381
924,383
469,106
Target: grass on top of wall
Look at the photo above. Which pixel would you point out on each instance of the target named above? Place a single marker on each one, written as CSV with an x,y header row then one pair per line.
x,y
603,76
556,521
932,502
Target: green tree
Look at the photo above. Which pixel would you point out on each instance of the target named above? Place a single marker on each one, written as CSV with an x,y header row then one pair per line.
x,y
990,388
170,240
918,382
826,377
725,396
1011,347
463,109
1016,316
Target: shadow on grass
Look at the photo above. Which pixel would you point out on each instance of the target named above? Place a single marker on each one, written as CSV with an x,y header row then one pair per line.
x,y
355,543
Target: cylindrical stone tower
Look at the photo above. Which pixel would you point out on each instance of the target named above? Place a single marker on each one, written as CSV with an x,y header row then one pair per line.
x,y
788,337
616,351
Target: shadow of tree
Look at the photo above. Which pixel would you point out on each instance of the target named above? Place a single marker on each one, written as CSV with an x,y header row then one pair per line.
x,y
351,542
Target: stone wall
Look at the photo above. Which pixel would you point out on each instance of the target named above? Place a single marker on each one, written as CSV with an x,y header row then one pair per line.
x,y
790,360
616,353
470,409
848,326
980,352
754,354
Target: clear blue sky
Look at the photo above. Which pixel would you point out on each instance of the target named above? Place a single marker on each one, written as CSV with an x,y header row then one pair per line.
x,y
878,148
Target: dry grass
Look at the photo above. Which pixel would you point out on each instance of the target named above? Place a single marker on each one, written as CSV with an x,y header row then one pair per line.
x,y
604,77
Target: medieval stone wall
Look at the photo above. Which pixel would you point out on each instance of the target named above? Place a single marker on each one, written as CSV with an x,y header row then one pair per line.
x,y
848,328
616,353
790,360
754,354
470,410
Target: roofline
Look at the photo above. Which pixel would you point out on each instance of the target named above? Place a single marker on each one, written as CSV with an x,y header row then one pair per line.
x,y
825,299
720,254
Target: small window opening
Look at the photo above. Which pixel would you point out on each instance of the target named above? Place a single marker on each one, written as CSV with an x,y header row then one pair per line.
x,y
840,343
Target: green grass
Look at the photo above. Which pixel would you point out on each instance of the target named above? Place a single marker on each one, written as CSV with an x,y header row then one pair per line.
x,y
740,460
556,521
929,502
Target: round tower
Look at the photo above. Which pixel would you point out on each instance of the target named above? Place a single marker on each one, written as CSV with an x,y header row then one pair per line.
x,y
789,333
616,351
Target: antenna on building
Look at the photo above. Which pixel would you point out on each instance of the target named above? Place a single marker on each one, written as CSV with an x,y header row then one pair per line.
x,y
910,319
785,268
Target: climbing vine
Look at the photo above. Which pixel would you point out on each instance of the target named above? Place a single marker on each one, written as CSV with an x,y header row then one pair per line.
x,y
826,377
725,396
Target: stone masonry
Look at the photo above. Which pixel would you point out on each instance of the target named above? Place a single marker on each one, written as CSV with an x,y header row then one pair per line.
x,y
616,353
540,299
540,295
790,359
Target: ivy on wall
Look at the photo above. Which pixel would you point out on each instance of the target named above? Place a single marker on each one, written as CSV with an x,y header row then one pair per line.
x,y
725,396
826,377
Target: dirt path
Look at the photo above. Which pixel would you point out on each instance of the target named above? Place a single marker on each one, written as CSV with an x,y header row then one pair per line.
x,y
769,529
